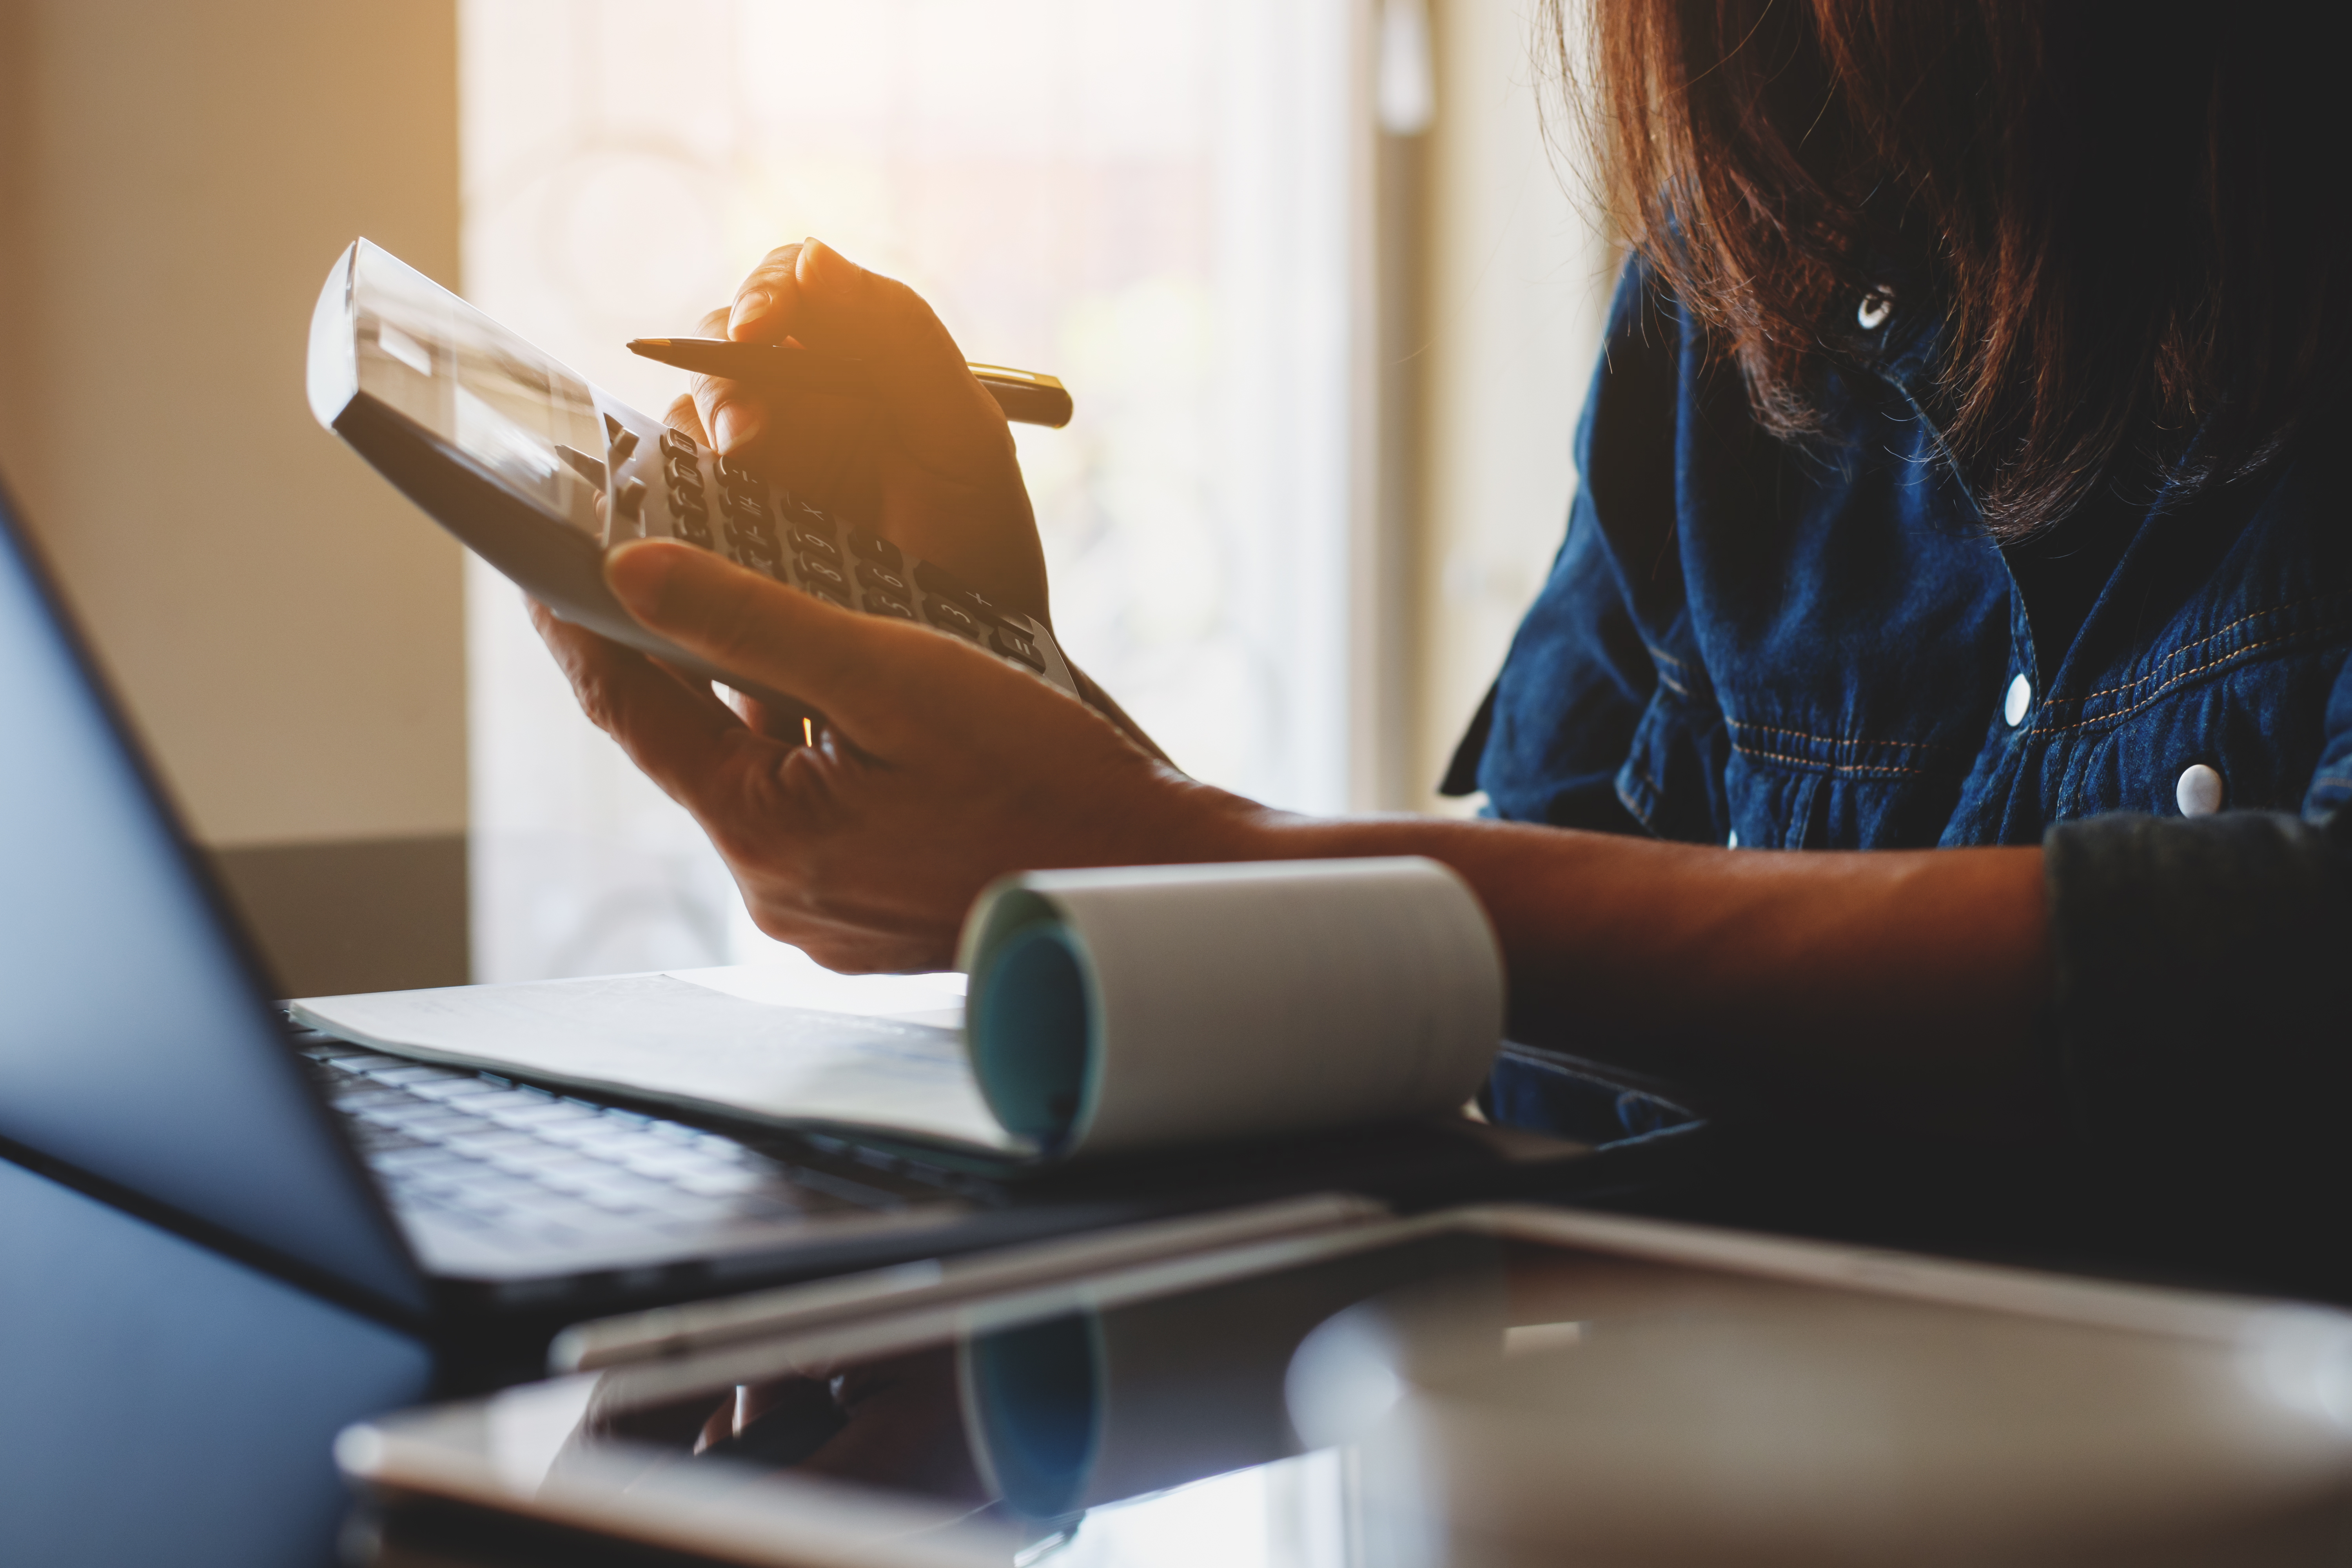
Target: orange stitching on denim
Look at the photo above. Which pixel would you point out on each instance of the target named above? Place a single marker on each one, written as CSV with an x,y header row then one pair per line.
x,y
1833,741
2185,649
2122,713
1826,767
1661,655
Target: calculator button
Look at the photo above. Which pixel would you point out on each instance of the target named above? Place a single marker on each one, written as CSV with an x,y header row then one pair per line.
x,y
940,583
877,549
684,471
623,444
881,604
678,444
744,503
689,503
1012,645
947,615
735,473
752,541
815,571
630,499
694,530
817,544
826,592
872,576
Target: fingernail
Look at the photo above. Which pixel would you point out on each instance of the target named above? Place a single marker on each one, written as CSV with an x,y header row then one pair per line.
x,y
734,426
637,571
749,307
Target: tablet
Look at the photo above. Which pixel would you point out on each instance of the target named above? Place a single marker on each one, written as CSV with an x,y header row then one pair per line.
x,y
1498,1384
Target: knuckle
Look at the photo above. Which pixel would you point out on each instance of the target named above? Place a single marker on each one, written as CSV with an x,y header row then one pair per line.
x,y
714,322
591,687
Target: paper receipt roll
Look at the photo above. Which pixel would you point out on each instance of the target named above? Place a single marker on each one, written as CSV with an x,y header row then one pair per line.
x,y
1142,1006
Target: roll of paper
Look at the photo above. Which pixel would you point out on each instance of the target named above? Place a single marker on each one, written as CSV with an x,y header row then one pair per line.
x,y
1138,1007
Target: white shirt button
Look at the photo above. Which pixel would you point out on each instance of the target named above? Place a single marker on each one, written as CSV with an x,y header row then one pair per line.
x,y
2199,792
1732,842
2020,699
1877,306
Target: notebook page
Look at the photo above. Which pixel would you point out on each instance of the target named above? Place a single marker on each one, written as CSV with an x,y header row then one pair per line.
x,y
666,1038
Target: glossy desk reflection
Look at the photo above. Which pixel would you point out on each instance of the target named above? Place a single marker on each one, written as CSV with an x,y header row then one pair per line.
x,y
1457,1397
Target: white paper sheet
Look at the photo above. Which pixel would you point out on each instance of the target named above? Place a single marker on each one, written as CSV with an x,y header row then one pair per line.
x,y
699,1038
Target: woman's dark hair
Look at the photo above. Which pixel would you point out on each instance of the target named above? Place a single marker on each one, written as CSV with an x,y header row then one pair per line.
x,y
2132,215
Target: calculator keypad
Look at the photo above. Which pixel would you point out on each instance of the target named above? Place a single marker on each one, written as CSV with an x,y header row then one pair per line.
x,y
773,532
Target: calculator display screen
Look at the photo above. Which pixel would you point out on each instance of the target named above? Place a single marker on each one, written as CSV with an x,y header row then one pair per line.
x,y
518,413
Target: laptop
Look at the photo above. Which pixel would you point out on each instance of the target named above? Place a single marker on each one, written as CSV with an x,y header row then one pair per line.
x,y
143,1061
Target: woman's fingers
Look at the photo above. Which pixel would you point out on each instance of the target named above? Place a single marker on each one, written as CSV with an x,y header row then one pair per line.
x,y
684,738
942,416
769,635
812,293
762,298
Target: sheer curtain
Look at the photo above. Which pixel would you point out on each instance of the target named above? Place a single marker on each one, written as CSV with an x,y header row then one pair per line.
x,y
1163,205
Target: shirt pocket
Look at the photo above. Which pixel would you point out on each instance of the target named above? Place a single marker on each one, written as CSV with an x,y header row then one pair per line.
x,y
2264,729
1794,787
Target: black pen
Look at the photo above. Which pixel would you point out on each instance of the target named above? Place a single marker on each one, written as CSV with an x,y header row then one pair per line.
x,y
1024,395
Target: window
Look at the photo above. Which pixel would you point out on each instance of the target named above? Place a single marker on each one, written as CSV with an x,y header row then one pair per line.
x,y
1161,204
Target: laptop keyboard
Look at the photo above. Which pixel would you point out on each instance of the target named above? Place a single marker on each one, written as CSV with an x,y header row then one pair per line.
x,y
481,1153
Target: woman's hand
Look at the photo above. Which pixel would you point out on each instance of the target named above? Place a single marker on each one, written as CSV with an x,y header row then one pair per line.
x,y
928,462
939,767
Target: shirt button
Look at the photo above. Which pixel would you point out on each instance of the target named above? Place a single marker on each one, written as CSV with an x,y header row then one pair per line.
x,y
1732,842
2199,792
1877,306
2020,699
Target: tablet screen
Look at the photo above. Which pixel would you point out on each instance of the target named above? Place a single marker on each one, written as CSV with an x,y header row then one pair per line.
x,y
1390,1402
477,387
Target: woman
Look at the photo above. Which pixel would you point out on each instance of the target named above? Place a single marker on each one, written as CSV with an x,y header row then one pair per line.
x,y
1952,489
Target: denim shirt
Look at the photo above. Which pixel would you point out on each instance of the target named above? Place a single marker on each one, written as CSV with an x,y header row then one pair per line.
x,y
1817,645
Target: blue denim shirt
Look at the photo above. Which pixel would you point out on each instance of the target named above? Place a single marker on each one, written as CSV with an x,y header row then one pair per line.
x,y
1817,645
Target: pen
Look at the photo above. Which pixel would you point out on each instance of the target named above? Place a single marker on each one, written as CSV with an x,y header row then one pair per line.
x,y
1024,395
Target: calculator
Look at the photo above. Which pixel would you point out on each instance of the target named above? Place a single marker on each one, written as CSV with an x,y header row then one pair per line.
x,y
540,474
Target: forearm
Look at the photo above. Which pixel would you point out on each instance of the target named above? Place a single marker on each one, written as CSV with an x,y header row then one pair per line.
x,y
1905,984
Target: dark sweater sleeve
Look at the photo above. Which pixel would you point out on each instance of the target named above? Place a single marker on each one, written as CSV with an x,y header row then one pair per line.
x,y
2202,1020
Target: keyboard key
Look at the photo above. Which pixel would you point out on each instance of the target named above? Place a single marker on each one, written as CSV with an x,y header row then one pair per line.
x,y
880,603
721,1184
403,1073
875,548
459,1089
817,545
947,615
1012,645
869,575
538,1114
416,1160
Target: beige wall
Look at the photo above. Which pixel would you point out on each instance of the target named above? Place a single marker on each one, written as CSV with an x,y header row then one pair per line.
x,y
1517,286
175,182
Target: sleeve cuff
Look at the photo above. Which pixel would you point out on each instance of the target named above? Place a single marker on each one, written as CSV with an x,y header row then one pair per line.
x,y
2203,968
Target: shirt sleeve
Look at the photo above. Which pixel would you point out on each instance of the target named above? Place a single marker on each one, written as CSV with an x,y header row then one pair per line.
x,y
1560,722
2202,1027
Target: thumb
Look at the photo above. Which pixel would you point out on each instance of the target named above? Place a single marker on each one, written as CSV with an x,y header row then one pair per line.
x,y
754,627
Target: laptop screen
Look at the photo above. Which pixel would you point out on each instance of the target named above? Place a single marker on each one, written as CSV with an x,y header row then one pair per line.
x,y
136,1040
